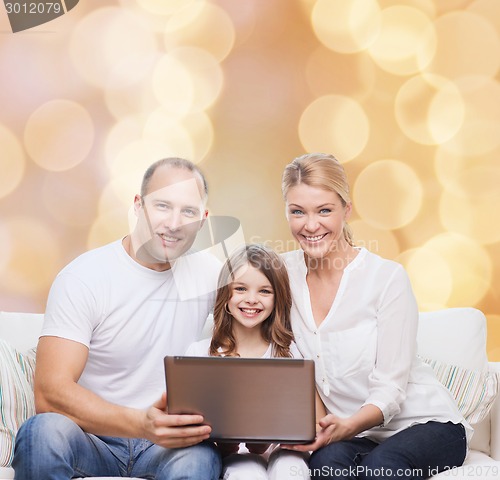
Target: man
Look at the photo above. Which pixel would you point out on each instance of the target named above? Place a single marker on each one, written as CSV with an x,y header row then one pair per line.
x,y
112,315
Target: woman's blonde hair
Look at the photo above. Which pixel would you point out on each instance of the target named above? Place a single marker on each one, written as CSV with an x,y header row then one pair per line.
x,y
276,329
319,170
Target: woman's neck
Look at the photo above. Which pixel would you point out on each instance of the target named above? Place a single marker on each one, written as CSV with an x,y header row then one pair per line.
x,y
333,263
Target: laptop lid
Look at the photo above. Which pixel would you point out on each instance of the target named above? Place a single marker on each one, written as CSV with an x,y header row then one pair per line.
x,y
245,399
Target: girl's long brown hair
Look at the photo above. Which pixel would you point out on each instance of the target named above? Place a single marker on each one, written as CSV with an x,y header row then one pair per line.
x,y
276,329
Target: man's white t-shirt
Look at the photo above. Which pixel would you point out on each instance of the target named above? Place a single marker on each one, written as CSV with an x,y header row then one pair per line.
x,y
130,317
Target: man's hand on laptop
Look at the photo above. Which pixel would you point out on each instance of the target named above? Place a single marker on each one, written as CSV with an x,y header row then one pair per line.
x,y
173,431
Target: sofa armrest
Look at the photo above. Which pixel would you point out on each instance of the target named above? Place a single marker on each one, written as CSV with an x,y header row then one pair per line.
x,y
495,419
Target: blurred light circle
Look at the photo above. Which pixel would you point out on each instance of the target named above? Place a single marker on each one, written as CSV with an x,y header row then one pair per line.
x,y
479,132
335,124
70,197
387,194
167,7
107,227
430,277
381,242
128,90
107,37
187,80
406,43
429,109
6,245
128,167
164,128
205,26
467,44
201,131
489,10
59,135
469,264
125,131
33,261
473,211
348,75
346,26
451,169
12,162
173,85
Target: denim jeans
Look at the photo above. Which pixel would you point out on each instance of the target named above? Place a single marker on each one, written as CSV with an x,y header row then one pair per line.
x,y
50,446
415,453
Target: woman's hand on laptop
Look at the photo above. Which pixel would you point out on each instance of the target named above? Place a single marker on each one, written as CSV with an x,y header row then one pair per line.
x,y
172,431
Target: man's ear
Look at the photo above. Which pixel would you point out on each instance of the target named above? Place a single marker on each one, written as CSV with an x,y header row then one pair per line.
x,y
137,204
203,218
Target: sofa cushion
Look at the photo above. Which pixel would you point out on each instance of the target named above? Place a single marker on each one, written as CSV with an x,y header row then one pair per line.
x,y
16,396
474,391
456,336
21,330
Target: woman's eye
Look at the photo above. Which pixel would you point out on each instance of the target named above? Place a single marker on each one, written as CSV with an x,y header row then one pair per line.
x,y
325,210
296,212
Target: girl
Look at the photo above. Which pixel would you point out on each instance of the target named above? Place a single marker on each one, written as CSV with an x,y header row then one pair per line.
x,y
355,314
252,319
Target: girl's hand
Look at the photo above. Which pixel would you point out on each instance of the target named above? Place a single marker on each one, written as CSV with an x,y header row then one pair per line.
x,y
332,429
226,449
257,447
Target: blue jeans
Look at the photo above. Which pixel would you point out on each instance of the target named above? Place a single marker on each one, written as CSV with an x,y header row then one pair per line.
x,y
415,453
50,446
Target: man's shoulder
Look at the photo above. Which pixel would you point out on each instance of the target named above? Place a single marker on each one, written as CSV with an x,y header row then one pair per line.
x,y
87,261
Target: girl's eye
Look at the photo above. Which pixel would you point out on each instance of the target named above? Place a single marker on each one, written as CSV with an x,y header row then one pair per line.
x,y
265,291
239,289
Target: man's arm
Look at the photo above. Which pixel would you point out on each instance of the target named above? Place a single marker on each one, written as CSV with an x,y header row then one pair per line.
x,y
60,362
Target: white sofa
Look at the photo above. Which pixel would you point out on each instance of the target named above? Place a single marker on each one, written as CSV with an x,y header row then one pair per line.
x,y
454,336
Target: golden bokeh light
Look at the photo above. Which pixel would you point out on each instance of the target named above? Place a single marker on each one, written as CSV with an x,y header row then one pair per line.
x,y
474,210
489,10
480,129
200,71
493,328
406,43
429,109
387,194
71,197
469,264
346,26
12,161
461,35
379,241
6,244
337,124
349,75
59,135
129,90
202,25
105,39
167,7
430,276
34,248
108,227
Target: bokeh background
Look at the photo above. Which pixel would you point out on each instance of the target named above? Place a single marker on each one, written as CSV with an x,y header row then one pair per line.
x,y
405,93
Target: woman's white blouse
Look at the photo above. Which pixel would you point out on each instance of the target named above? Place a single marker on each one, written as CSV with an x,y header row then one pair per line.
x,y
365,348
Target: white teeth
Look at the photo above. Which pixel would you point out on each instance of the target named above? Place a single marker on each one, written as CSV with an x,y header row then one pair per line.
x,y
168,239
315,239
250,310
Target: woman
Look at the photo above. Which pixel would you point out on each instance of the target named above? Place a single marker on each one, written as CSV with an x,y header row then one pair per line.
x,y
356,315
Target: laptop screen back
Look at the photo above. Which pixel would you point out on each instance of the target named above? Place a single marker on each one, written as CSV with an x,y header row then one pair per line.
x,y
245,399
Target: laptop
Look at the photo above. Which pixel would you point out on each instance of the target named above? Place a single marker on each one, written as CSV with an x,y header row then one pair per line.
x,y
268,400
